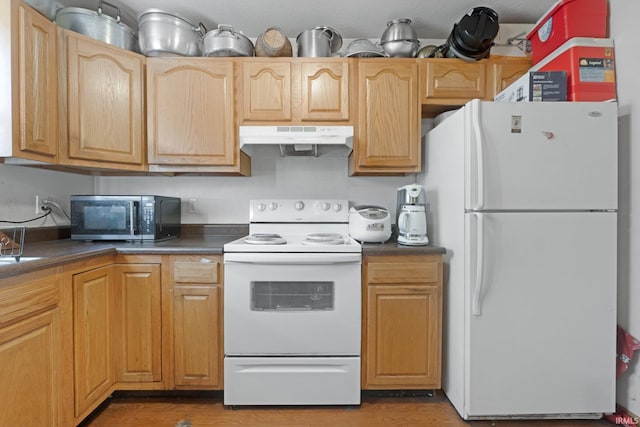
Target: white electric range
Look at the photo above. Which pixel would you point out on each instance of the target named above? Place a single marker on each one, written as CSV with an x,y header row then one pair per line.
x,y
292,306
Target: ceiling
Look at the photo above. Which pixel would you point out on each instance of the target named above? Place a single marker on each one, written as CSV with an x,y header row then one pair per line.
x,y
432,19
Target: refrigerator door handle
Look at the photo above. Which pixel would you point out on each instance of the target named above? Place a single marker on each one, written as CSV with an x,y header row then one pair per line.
x,y
477,289
477,130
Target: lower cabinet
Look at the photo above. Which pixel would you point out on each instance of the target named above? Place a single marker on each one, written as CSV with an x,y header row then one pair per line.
x,y
402,322
32,349
137,332
197,322
93,303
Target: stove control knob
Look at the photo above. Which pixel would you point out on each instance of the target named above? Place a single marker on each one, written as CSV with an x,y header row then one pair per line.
x,y
273,206
325,206
261,207
337,207
299,206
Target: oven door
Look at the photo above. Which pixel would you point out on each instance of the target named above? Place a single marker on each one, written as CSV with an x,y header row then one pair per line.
x,y
292,304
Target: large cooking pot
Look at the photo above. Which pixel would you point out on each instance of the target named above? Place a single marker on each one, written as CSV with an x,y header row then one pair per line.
x,y
46,7
226,42
98,25
314,43
166,34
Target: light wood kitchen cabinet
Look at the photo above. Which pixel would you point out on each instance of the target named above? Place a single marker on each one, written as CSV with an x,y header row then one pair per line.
x,y
102,104
32,351
388,132
197,322
296,91
93,320
191,120
505,71
402,322
137,339
34,79
447,83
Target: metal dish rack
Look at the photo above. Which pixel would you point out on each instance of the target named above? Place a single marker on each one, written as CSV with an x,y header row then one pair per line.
x,y
12,242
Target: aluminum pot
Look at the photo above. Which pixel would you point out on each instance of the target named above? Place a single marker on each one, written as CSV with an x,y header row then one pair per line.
x,y
226,42
166,34
98,25
46,7
314,43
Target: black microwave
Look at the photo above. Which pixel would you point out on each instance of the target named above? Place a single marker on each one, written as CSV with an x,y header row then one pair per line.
x,y
124,217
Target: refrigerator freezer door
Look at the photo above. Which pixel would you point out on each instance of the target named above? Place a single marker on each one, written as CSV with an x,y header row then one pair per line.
x,y
541,156
543,340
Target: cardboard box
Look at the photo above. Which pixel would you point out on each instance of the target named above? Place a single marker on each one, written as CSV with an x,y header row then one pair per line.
x,y
565,20
536,86
590,67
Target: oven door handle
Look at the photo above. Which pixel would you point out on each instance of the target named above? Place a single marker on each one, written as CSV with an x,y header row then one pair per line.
x,y
293,258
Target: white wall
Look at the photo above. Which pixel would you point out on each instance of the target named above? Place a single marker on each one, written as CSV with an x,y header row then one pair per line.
x,y
19,186
623,29
225,200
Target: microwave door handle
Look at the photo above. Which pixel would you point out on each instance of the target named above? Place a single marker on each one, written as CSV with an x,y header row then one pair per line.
x,y
134,218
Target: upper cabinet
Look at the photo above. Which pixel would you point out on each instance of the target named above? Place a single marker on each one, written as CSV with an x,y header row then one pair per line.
x,y
191,120
296,91
35,98
447,83
388,131
102,95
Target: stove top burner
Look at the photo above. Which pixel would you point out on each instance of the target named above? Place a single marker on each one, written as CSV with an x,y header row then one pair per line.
x,y
323,239
264,239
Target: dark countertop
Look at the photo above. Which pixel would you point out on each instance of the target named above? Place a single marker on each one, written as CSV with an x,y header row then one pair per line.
x,y
391,247
57,252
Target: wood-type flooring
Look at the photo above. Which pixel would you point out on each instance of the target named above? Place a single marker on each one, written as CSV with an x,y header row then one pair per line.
x,y
373,412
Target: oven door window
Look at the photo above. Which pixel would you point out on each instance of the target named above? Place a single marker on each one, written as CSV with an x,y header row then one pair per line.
x,y
292,296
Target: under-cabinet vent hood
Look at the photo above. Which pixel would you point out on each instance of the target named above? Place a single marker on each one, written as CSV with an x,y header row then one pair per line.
x,y
299,140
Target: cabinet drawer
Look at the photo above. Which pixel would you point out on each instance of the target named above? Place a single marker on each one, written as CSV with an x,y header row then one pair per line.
x,y
197,269
30,296
405,269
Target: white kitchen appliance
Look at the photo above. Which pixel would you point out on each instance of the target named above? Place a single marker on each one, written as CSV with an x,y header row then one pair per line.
x,y
371,224
524,198
411,215
292,307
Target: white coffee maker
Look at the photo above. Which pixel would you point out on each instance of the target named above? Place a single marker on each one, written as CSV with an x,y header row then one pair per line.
x,y
411,215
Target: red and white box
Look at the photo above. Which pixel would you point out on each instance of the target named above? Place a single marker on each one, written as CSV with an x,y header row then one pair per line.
x,y
565,20
590,67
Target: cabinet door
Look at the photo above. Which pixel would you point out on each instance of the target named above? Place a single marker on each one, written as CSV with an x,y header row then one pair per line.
x,y
389,117
402,336
506,72
35,355
324,91
452,81
190,112
266,88
36,113
197,337
137,331
105,103
30,369
92,326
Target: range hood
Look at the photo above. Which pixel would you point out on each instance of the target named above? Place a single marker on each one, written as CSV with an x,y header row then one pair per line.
x,y
299,140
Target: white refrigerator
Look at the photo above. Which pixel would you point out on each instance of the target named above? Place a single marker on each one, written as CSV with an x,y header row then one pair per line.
x,y
524,198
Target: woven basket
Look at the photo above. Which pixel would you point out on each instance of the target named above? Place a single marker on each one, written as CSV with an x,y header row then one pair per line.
x,y
273,42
